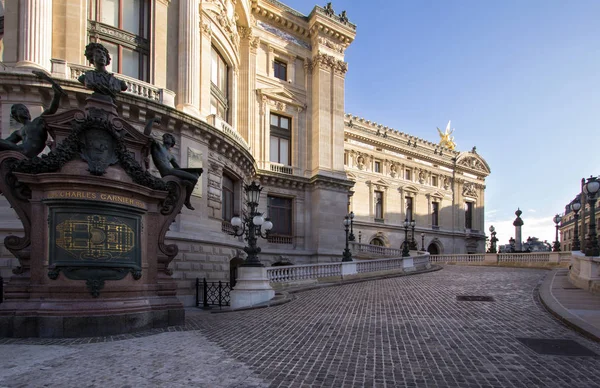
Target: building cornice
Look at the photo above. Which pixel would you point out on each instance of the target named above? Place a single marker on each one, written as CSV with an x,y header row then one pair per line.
x,y
281,17
384,137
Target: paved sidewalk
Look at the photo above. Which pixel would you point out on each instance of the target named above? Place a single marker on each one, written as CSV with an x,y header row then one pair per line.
x,y
576,307
461,327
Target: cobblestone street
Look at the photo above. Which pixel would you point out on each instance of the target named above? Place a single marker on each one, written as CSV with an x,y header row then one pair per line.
x,y
398,332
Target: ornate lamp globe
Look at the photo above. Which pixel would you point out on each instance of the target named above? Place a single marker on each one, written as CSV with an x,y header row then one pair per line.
x,y
492,229
591,187
346,221
576,205
406,223
557,219
351,215
268,225
236,221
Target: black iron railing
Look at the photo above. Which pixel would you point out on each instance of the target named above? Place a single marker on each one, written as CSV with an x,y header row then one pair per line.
x,y
212,293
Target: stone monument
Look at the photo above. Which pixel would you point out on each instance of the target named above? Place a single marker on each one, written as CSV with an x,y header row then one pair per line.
x,y
518,223
93,258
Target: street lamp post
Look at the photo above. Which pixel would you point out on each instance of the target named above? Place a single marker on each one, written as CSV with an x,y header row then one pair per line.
x,y
576,206
511,241
351,237
423,242
556,247
591,188
413,242
405,251
493,240
252,225
347,255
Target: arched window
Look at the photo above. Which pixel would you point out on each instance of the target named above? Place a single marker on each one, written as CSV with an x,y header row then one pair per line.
x,y
377,241
219,96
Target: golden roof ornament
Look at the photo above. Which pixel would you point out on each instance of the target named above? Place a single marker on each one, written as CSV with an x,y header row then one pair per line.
x,y
445,139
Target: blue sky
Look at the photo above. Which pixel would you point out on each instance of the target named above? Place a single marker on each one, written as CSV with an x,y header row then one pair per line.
x,y
520,79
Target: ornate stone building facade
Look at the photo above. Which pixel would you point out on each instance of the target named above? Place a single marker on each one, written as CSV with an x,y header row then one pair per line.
x,y
400,177
251,89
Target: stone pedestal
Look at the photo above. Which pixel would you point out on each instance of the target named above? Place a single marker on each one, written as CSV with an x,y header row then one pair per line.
x,y
408,264
93,258
251,288
585,271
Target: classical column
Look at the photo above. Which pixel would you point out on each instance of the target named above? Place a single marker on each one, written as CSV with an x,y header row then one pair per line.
x,y
205,66
35,34
247,83
291,76
159,43
270,57
188,94
339,72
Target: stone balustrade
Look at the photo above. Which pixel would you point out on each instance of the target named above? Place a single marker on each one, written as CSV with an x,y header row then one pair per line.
x,y
228,129
303,272
135,87
497,258
377,250
460,258
280,168
533,257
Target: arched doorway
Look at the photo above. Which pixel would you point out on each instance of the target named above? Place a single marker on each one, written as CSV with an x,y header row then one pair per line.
x,y
234,264
433,249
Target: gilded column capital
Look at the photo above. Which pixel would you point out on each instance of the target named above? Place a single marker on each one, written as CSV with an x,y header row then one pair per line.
x,y
340,67
254,43
245,32
323,61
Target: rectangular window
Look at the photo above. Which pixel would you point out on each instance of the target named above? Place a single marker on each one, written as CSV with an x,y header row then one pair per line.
x,y
434,181
409,208
280,70
379,205
469,215
407,174
280,139
377,166
122,26
227,198
280,211
219,98
435,208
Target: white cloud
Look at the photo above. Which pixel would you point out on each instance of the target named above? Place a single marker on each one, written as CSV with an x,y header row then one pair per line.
x,y
531,210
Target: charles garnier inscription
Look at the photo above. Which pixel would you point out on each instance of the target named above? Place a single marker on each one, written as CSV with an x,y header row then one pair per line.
x,y
95,196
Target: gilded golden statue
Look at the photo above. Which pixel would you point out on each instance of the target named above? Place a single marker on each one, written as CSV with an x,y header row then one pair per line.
x,y
445,139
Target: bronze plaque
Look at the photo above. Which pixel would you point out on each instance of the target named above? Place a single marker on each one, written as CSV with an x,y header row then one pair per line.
x,y
94,236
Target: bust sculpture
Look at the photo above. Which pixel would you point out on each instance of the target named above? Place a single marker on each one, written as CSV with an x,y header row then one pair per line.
x,y
31,138
99,80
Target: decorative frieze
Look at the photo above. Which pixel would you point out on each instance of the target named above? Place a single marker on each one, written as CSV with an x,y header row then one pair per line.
x,y
331,45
